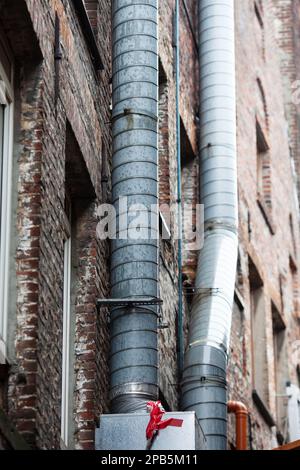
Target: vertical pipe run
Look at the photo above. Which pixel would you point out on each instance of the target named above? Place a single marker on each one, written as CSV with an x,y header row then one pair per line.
x,y
179,192
134,262
241,423
57,59
204,376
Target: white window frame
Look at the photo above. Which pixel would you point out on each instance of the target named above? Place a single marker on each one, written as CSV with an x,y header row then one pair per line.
x,y
65,396
5,202
293,410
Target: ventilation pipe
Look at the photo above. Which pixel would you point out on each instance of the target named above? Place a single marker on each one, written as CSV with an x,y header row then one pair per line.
x,y
204,376
134,262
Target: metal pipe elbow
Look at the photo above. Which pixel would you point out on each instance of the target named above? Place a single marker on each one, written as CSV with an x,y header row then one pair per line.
x,y
237,407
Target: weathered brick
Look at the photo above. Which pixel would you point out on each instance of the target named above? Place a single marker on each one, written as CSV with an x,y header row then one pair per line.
x,y
48,135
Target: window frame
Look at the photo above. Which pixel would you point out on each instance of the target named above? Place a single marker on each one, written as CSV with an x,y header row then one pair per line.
x,y
6,194
255,346
256,286
280,357
65,393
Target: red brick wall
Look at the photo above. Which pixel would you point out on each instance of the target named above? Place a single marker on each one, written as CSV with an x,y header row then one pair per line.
x,y
84,99
265,229
287,34
169,377
269,245
34,394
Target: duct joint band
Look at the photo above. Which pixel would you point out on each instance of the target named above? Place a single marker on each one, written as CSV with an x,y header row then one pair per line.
x,y
211,226
207,342
205,380
201,293
134,389
131,112
210,146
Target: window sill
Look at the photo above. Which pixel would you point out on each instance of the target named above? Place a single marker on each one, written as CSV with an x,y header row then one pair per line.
x,y
266,213
265,413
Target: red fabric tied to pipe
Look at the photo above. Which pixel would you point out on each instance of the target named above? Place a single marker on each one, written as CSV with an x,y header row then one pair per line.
x,y
155,424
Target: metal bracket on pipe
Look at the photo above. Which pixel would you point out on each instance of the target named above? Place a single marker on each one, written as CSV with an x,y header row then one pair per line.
x,y
128,302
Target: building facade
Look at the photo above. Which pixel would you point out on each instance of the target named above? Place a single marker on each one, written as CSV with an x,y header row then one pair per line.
x,y
60,173
55,125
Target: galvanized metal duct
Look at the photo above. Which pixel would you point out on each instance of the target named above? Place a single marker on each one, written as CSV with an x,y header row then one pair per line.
x,y
204,377
134,262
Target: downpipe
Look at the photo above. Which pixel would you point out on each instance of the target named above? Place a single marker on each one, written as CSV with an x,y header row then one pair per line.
x,y
204,387
241,423
134,262
180,336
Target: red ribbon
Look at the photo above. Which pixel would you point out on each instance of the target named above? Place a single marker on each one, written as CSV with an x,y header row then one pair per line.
x,y
155,424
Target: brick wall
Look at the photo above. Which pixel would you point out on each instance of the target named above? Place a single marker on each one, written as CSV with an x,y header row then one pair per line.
x,y
84,99
168,341
287,33
264,236
68,146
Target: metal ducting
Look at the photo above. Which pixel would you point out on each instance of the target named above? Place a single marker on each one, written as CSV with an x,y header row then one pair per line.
x,y
134,262
204,376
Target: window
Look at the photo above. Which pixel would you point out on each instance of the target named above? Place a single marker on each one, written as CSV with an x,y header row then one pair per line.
x,y
88,20
293,393
237,366
91,7
68,324
238,341
263,166
280,368
261,106
65,403
164,162
258,327
163,139
2,119
296,287
239,282
292,232
263,177
190,198
6,140
79,235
